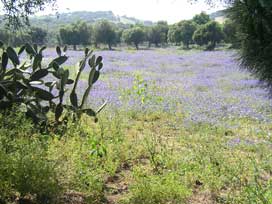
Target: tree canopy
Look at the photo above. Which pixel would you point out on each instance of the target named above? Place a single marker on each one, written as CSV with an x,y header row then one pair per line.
x,y
187,29
78,33
104,32
158,33
134,35
208,34
18,11
174,34
231,34
201,18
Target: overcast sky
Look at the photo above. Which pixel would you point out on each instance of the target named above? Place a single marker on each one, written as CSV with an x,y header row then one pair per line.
x,y
154,10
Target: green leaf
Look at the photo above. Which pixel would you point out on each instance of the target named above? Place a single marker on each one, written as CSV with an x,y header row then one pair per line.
x,y
73,99
100,66
60,60
64,79
89,112
55,66
35,46
35,113
86,51
3,91
58,111
55,74
35,83
22,49
82,65
50,84
29,49
58,50
42,49
98,60
1,44
13,56
20,85
65,48
96,76
92,61
4,61
70,81
43,94
37,61
45,109
91,76
39,74
60,71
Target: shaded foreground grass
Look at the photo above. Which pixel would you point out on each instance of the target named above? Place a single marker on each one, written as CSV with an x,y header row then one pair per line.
x,y
137,158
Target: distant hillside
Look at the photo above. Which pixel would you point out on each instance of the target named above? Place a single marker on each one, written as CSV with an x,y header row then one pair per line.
x,y
219,16
55,21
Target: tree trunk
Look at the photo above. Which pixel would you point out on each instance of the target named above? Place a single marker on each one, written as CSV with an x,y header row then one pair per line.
x,y
110,48
137,47
211,46
74,47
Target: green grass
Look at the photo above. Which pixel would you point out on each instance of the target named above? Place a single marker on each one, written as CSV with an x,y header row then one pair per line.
x,y
138,158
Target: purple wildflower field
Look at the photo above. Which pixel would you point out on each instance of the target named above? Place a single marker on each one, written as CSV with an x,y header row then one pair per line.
x,y
207,87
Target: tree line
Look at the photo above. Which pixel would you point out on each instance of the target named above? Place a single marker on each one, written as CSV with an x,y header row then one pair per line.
x,y
200,30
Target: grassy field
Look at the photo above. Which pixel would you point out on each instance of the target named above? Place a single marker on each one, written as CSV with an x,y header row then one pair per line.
x,y
179,127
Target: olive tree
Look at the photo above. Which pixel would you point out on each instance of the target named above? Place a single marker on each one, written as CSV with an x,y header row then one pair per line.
x,y
208,34
201,18
186,29
158,33
134,35
104,32
78,33
174,34
37,35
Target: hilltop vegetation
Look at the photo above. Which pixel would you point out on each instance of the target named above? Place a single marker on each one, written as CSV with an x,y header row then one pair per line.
x,y
90,28
60,19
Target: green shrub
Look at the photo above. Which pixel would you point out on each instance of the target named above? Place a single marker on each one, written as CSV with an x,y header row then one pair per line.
x,y
25,169
159,189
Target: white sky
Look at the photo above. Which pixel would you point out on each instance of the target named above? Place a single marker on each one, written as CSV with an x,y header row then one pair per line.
x,y
154,10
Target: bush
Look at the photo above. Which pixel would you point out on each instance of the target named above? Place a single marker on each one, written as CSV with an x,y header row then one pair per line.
x,y
25,171
159,189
